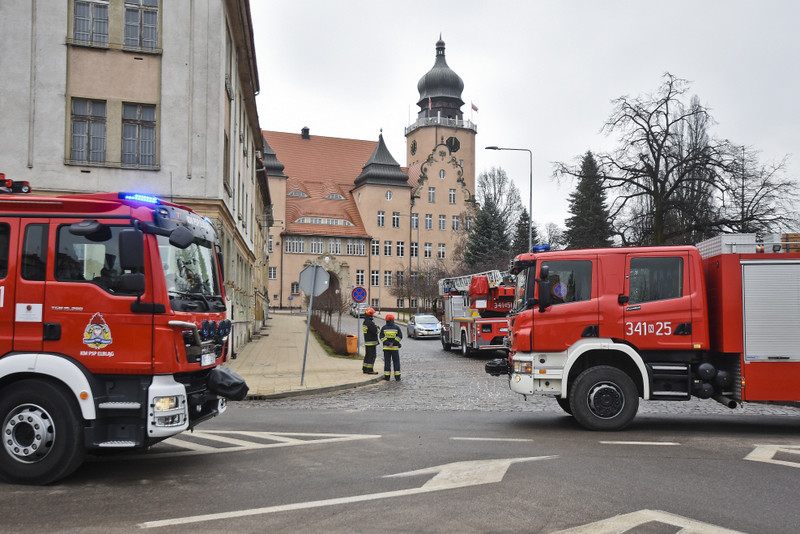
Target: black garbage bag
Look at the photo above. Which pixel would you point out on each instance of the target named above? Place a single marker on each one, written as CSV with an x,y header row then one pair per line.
x,y
227,383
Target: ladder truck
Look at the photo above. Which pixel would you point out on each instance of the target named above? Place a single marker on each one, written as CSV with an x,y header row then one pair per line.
x,y
473,310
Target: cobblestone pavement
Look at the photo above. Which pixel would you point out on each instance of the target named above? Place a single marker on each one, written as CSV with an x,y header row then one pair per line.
x,y
436,380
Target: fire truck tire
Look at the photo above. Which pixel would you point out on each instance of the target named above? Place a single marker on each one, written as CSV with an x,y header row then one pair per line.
x,y
445,345
564,404
41,433
604,398
465,350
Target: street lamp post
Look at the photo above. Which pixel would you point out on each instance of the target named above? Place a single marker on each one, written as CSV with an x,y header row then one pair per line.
x,y
530,186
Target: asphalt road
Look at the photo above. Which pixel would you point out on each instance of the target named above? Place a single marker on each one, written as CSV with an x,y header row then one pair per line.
x,y
447,449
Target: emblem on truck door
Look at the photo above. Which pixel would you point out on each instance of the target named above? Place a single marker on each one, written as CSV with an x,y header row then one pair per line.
x,y
97,334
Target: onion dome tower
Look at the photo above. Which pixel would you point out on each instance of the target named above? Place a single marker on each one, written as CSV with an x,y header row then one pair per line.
x,y
440,89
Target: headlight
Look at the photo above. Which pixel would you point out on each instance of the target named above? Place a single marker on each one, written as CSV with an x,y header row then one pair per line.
x,y
522,368
163,404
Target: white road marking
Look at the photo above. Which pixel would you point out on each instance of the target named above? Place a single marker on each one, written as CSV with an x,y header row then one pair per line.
x,y
671,443
492,439
230,441
448,476
626,522
766,454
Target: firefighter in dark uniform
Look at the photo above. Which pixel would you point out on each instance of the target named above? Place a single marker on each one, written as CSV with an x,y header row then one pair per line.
x,y
390,337
370,342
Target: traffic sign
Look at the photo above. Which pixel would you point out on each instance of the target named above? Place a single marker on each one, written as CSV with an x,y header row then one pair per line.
x,y
359,294
314,280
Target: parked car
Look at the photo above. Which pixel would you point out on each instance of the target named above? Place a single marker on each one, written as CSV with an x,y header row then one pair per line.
x,y
358,310
423,325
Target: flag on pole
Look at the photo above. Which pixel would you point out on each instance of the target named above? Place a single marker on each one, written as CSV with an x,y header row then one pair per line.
x,y
474,107
430,104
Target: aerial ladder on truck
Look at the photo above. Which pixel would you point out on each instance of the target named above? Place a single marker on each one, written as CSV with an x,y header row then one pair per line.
x,y
473,310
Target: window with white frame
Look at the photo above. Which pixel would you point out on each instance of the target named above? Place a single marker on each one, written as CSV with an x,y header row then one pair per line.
x,y
356,247
456,219
381,218
375,247
428,250
396,219
270,243
335,246
442,222
414,221
412,303
294,245
273,273
88,131
401,249
400,303
376,303
401,277
414,251
441,252
468,223
431,194
295,288
317,245
387,248
360,277
428,221
141,24
452,196
91,23
387,278
375,277
138,135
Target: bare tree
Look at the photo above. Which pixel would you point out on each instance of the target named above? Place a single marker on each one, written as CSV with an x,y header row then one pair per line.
x,y
495,185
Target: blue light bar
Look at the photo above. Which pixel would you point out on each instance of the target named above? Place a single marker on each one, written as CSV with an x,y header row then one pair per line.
x,y
139,197
541,248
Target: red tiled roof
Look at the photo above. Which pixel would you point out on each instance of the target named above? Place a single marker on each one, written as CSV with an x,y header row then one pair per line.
x,y
320,166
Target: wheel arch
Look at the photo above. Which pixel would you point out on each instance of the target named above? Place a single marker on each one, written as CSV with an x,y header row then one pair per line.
x,y
586,354
15,367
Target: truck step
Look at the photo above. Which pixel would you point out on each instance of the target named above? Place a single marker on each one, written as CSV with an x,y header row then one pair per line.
x,y
116,444
119,405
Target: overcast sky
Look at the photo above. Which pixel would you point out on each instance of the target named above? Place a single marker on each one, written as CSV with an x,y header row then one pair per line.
x,y
542,73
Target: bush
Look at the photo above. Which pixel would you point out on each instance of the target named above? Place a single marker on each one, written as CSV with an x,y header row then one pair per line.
x,y
335,339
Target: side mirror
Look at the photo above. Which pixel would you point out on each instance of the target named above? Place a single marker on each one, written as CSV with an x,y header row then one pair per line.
x,y
131,250
543,282
181,237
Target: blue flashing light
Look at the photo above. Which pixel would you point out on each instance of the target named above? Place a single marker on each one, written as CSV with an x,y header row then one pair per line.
x,y
541,248
139,197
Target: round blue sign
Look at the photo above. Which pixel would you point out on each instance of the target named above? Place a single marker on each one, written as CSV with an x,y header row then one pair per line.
x,y
359,294
560,290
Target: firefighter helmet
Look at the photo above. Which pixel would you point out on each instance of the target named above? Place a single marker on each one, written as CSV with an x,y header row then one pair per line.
x,y
389,317
370,311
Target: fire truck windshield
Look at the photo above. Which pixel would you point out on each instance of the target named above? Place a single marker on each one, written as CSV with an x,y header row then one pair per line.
x,y
191,272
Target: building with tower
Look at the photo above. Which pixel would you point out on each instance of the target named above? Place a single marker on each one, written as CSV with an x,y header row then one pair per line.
x,y
349,206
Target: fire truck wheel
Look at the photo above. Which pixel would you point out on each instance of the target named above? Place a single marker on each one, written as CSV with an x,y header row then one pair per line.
x,y
445,344
604,398
564,404
465,350
42,436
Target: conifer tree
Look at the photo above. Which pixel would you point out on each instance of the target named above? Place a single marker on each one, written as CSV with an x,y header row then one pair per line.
x,y
590,224
488,246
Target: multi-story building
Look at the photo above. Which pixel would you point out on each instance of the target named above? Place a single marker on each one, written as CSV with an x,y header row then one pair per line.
x,y
349,206
147,95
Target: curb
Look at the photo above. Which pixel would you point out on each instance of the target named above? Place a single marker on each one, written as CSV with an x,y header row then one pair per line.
x,y
311,391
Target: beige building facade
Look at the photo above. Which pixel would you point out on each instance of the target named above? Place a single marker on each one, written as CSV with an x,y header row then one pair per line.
x,y
151,96
349,206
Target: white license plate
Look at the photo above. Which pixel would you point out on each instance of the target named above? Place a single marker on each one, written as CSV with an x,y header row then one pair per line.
x,y
208,359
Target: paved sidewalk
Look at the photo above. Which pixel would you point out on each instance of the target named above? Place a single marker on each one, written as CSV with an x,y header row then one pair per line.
x,y
272,362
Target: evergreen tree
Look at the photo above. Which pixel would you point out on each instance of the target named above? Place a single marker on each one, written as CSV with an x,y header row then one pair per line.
x,y
488,246
519,244
590,224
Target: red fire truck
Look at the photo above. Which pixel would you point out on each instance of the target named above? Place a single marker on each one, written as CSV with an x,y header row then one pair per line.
x,y
112,328
473,310
599,329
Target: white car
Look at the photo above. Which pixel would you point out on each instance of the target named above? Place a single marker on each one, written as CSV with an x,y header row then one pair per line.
x,y
423,325
358,310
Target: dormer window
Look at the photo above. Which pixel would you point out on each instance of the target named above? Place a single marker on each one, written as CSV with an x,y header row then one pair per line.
x,y
297,193
334,196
